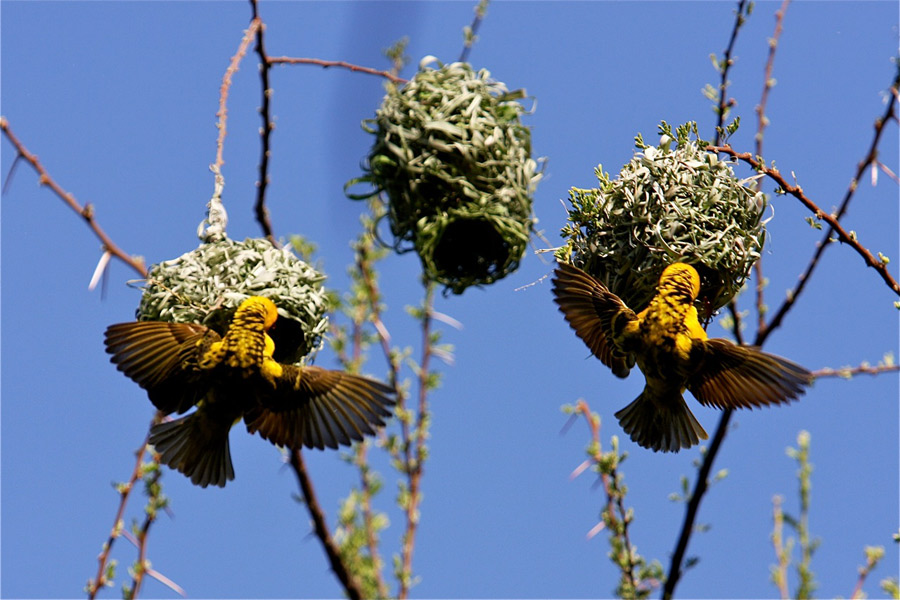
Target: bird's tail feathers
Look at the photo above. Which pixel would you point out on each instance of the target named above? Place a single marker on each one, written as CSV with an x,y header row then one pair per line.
x,y
197,446
666,424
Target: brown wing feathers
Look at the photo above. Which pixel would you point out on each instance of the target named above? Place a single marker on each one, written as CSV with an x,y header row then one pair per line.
x,y
731,376
590,309
319,408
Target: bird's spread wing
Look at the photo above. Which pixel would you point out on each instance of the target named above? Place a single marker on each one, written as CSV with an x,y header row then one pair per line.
x,y
315,407
162,358
597,315
726,375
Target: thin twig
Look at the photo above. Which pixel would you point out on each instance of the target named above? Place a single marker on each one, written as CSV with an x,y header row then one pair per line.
x,y
847,372
86,211
412,441
779,575
874,554
614,502
760,294
736,319
871,155
362,463
832,220
415,464
262,213
701,485
370,309
373,295
472,33
222,113
166,582
142,565
351,585
769,83
352,363
288,60
762,123
723,105
124,490
369,520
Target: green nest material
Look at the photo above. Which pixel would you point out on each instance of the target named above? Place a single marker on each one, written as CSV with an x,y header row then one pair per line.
x,y
667,205
206,285
455,163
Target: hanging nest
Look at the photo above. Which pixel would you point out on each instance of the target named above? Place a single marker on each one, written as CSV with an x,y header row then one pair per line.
x,y
455,163
667,205
206,286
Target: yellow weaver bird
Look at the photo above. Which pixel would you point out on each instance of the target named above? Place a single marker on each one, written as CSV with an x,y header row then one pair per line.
x,y
234,377
674,353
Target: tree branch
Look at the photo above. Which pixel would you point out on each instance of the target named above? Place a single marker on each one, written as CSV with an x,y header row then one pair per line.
x,y
701,485
795,190
414,447
288,60
86,212
155,501
351,586
262,213
871,156
782,555
762,123
94,585
847,372
769,83
725,105
616,515
471,32
222,113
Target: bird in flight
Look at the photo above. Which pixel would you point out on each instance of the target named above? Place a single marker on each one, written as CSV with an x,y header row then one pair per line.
x,y
233,377
672,350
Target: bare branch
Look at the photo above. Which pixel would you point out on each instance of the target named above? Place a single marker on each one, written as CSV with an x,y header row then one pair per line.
x,y
86,212
871,155
832,220
414,448
351,586
782,555
725,105
287,60
762,123
222,113
700,486
471,32
769,83
265,132
616,512
847,372
125,489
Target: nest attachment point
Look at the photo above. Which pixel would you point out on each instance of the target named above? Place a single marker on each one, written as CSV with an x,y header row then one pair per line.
x,y
667,205
206,286
454,161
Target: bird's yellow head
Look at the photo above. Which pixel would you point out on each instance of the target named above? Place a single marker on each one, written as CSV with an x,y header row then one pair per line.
x,y
258,305
680,279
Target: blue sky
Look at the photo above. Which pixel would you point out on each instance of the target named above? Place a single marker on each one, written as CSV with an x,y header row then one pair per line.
x,y
119,102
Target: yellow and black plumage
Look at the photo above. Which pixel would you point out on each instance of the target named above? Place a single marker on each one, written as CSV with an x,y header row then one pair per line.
x,y
673,352
234,377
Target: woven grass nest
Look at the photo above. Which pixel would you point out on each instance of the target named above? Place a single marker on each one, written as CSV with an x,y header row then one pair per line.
x,y
206,286
667,205
454,161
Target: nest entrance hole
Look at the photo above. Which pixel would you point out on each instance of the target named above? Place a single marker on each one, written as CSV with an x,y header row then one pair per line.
x,y
471,248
